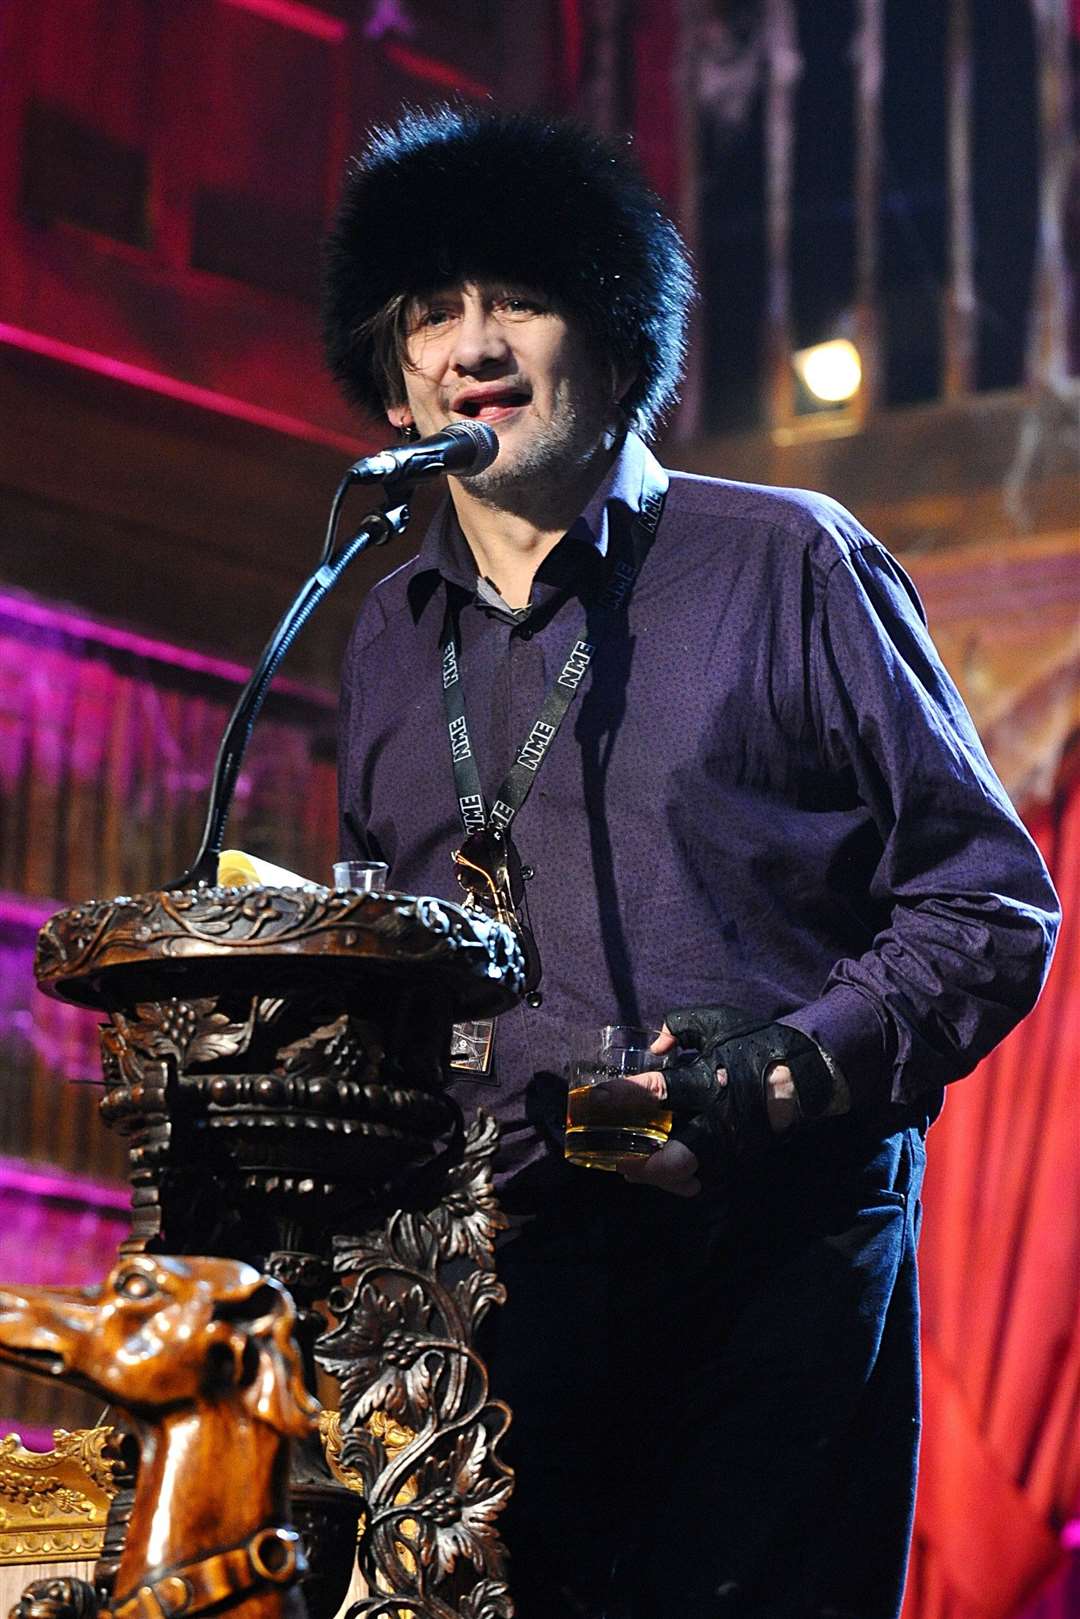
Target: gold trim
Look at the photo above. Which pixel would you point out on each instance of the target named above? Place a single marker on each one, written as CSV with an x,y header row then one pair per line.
x,y
392,1434
395,1438
53,1504
331,1436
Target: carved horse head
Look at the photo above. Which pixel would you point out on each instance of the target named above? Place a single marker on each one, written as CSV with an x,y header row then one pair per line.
x,y
165,1331
201,1353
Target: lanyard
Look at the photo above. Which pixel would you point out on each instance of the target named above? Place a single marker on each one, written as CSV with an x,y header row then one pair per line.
x,y
515,789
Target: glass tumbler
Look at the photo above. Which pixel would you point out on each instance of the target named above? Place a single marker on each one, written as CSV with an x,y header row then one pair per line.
x,y
360,876
612,1119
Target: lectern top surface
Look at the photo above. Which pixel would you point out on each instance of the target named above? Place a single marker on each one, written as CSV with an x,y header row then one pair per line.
x,y
278,940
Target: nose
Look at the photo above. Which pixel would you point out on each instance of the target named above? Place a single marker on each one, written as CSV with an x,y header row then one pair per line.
x,y
480,341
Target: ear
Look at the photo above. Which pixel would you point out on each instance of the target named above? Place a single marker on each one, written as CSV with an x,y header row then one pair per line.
x,y
399,416
276,1394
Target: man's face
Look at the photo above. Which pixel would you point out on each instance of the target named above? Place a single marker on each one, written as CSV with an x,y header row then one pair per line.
x,y
502,355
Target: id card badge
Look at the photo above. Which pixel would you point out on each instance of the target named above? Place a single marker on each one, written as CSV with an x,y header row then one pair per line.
x,y
472,1047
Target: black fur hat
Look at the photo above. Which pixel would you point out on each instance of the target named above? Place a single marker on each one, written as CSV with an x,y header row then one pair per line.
x,y
457,194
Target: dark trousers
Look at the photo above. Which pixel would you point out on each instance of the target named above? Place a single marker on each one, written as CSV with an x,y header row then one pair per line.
x,y
716,1400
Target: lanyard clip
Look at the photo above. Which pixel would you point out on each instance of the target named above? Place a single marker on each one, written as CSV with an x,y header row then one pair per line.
x,y
488,867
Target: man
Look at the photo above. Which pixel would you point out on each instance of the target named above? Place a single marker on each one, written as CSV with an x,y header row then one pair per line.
x,y
756,812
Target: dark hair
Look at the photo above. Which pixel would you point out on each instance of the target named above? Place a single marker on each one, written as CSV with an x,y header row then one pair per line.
x,y
386,332
458,194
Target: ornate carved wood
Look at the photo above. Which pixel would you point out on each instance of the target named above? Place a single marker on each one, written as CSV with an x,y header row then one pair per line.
x,y
274,1055
275,1058
200,1352
53,1503
404,1349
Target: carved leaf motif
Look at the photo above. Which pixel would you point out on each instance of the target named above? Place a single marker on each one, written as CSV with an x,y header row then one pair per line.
x,y
219,1038
468,1217
476,1293
166,1028
469,1230
382,1365
468,1530
356,1343
469,1457
476,1536
420,1307
414,1242
344,1048
90,1446
211,918
119,1061
353,1254
483,954
488,1599
403,1347
190,1031
364,1452
402,1391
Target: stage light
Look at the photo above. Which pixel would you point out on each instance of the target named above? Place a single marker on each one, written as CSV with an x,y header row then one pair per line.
x,y
831,372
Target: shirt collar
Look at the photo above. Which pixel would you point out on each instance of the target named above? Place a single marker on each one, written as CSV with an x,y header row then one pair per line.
x,y
444,550
633,471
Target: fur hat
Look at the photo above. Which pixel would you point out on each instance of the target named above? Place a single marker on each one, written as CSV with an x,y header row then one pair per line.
x,y
457,194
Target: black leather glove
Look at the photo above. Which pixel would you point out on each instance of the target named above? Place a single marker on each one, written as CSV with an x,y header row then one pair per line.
x,y
743,1045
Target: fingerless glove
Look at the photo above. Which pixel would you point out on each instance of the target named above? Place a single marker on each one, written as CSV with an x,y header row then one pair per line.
x,y
745,1047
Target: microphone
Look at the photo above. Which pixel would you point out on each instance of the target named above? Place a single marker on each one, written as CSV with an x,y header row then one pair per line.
x,y
464,447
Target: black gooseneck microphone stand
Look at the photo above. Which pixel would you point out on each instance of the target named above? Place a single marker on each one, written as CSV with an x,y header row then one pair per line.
x,y
377,528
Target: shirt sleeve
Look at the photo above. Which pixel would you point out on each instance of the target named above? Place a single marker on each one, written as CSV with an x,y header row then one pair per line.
x,y
972,915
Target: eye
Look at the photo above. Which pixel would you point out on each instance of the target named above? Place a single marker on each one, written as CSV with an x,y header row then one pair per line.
x,y
435,316
520,304
135,1284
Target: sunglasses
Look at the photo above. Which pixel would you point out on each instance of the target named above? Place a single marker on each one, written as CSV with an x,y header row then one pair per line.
x,y
488,867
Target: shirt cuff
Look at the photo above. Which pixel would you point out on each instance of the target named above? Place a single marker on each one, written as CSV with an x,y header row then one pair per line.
x,y
846,1028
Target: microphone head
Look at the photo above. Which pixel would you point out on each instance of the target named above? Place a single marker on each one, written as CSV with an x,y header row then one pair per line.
x,y
484,444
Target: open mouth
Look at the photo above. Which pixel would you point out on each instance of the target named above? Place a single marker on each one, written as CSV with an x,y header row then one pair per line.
x,y
492,406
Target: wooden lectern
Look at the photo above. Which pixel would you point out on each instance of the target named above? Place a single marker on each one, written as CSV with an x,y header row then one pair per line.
x,y
276,1059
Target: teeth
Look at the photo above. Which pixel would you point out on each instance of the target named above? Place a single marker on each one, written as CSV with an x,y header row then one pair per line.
x,y
474,407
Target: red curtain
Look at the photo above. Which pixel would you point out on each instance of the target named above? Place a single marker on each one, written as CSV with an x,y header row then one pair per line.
x,y
1000,1268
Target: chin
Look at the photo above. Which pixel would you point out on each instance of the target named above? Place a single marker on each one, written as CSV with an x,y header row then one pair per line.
x,y
499,479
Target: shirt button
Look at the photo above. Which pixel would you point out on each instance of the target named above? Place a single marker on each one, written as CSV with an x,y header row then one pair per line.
x,y
534,999
527,873
526,634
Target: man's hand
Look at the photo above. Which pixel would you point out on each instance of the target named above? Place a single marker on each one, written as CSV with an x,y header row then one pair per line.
x,y
781,1097
742,1081
673,1168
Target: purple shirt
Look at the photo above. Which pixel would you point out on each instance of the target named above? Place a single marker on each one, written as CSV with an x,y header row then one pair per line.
x,y
767,793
